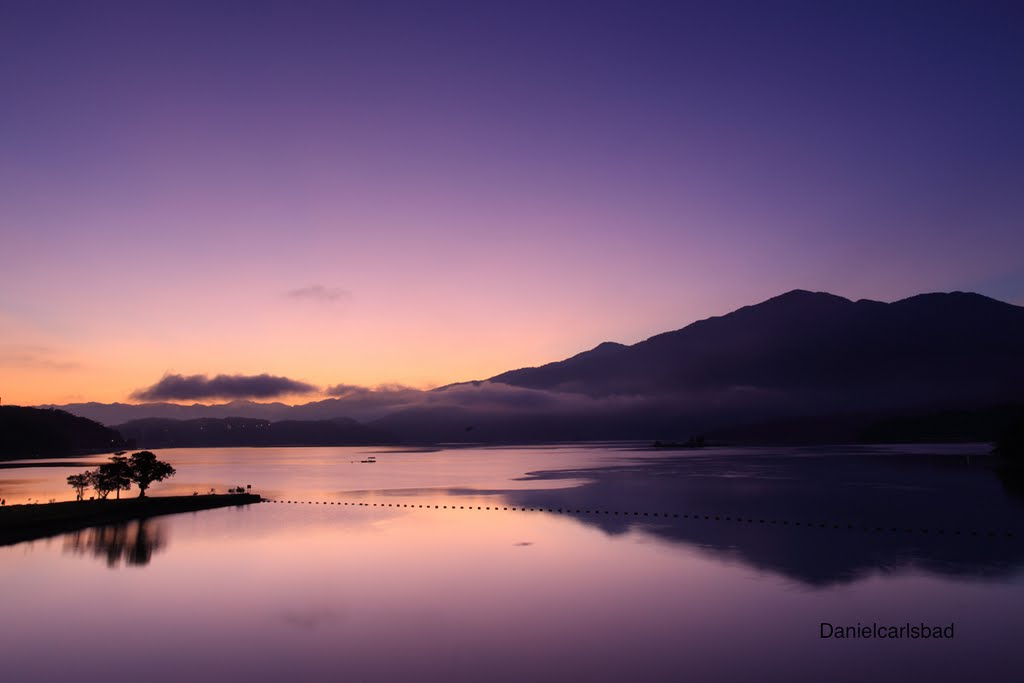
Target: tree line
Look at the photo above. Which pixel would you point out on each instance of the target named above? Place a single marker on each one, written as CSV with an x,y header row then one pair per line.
x,y
141,469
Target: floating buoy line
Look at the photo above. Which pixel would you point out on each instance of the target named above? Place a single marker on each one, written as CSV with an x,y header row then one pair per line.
x,y
737,519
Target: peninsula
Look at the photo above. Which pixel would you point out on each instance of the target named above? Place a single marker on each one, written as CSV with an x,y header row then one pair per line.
x,y
20,523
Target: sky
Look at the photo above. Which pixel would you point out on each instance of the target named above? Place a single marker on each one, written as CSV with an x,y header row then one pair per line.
x,y
412,193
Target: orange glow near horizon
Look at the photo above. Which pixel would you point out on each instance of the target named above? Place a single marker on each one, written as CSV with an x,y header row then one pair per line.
x,y
330,212
366,343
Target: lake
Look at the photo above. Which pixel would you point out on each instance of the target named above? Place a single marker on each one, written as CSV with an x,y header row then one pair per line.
x,y
596,562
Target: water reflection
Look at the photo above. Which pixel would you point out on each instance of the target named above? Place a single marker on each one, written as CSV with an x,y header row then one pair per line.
x,y
879,488
948,520
381,591
132,543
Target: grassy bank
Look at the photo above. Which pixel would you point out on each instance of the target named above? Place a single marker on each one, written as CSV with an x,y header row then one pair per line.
x,y
27,522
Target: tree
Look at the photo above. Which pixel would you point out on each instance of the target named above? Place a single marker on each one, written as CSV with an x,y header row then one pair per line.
x,y
145,469
100,482
117,473
80,482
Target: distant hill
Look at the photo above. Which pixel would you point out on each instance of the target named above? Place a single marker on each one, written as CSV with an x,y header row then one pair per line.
x,y
37,432
119,413
328,409
801,355
240,431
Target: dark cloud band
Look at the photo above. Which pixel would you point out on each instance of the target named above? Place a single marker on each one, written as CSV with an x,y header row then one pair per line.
x,y
197,387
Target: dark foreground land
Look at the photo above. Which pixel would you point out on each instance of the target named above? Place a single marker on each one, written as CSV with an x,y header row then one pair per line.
x,y
28,522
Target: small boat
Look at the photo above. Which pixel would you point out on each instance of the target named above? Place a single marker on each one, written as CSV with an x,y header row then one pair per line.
x,y
370,458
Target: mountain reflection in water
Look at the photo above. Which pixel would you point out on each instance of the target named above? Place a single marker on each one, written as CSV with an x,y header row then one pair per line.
x,y
950,518
416,556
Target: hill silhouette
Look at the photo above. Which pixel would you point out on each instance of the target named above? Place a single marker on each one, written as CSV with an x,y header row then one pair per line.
x,y
811,367
802,362
38,432
817,350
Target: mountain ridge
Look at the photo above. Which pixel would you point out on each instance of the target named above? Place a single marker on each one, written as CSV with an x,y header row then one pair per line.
x,y
798,353
749,334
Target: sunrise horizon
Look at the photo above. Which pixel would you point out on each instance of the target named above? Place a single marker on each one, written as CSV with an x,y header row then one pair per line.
x,y
561,340
314,206
291,389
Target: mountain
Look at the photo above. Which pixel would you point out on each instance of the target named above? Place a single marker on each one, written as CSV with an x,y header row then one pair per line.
x,y
816,351
782,365
37,432
799,364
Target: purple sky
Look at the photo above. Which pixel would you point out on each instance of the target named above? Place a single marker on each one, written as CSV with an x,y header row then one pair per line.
x,y
423,193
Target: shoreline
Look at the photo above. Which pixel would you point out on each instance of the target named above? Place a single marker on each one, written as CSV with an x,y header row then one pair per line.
x,y
19,523
70,459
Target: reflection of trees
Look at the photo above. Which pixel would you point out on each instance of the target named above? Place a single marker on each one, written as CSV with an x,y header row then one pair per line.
x,y
133,543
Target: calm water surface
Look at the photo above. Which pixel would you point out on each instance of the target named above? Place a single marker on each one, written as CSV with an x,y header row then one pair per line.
x,y
415,579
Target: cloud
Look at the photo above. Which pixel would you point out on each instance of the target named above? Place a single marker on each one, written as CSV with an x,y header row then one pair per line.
x,y
369,403
327,295
197,387
389,391
494,411
364,403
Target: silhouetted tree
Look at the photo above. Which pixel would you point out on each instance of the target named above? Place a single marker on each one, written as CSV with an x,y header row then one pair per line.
x,y
145,469
117,473
100,482
80,482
